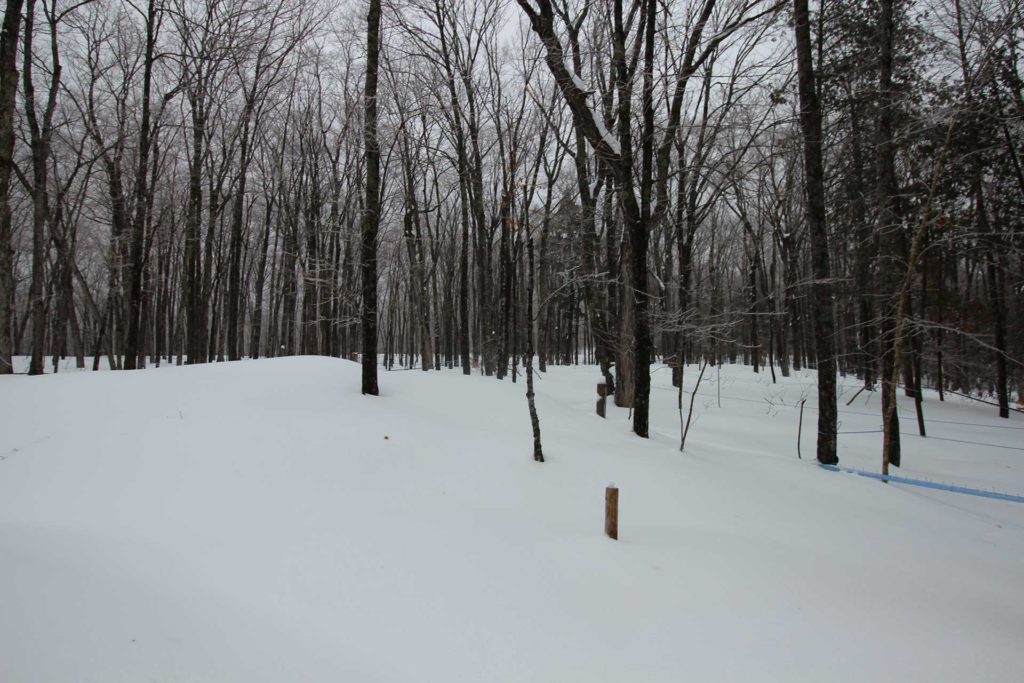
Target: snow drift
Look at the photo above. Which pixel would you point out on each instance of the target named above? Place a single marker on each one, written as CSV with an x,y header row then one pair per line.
x,y
262,521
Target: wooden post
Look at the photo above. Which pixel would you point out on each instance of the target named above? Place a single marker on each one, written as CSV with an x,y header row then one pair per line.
x,y
602,401
611,512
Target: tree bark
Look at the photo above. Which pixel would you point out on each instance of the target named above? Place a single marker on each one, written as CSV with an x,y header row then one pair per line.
x,y
371,212
814,179
8,90
138,257
890,238
538,452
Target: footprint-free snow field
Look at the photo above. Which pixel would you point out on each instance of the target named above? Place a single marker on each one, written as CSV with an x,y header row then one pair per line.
x,y
263,521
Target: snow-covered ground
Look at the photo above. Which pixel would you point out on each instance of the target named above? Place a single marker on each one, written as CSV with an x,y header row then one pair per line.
x,y
262,521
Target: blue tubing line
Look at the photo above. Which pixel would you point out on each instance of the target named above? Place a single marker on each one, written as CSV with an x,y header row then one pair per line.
x,y
927,484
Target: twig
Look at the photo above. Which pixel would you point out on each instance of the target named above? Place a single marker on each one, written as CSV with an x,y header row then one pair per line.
x,y
682,441
855,396
980,400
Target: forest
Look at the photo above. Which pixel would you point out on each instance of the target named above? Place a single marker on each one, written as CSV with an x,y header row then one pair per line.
x,y
486,185
262,261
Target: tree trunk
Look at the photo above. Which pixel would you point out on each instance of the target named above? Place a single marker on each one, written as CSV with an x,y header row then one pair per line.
x,y
371,214
890,237
138,257
538,452
814,179
8,90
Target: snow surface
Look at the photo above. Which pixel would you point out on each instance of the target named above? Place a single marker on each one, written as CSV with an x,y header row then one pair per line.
x,y
262,521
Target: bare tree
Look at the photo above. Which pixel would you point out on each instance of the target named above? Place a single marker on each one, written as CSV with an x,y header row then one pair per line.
x,y
814,184
8,90
371,211
645,208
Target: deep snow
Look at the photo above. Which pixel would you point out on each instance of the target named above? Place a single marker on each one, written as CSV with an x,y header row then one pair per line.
x,y
262,521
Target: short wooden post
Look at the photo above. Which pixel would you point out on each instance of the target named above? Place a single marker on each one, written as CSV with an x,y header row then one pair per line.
x,y
602,401
611,512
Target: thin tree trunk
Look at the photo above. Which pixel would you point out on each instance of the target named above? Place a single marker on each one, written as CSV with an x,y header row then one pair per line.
x,y
538,452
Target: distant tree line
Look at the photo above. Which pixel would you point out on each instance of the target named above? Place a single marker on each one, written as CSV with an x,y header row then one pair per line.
x,y
187,182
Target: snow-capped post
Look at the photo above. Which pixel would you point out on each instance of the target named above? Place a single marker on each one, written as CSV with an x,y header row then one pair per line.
x,y
611,512
602,401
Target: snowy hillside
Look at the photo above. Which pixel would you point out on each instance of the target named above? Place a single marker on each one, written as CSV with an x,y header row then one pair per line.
x,y
262,521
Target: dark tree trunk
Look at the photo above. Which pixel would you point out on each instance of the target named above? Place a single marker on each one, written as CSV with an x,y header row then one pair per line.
x,y
464,278
234,341
814,179
995,300
890,238
8,90
371,214
40,136
538,452
192,264
39,144
261,270
138,255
